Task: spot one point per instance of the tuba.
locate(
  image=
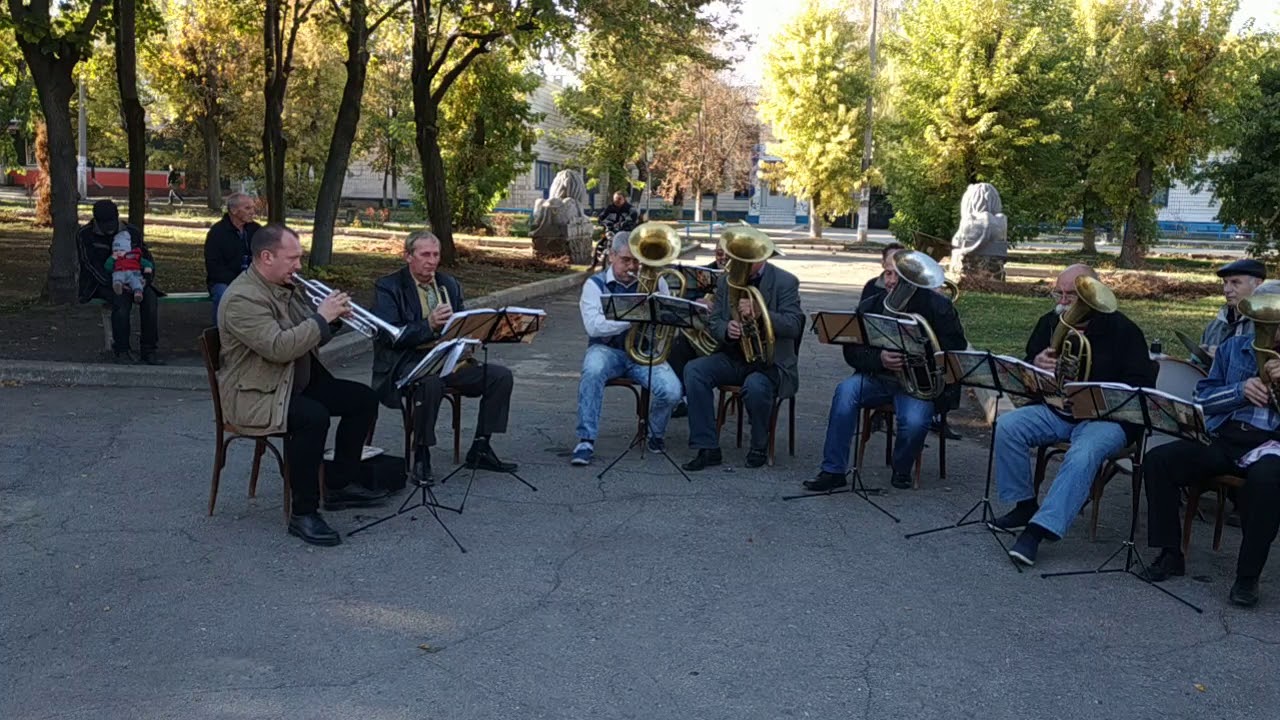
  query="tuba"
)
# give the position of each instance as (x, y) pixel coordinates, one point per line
(745, 247)
(655, 245)
(1075, 352)
(922, 376)
(1264, 311)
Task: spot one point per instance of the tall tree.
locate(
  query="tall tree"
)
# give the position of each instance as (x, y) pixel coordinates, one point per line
(816, 77)
(971, 99)
(18, 105)
(1247, 177)
(354, 18)
(713, 133)
(52, 45)
(386, 130)
(282, 20)
(125, 15)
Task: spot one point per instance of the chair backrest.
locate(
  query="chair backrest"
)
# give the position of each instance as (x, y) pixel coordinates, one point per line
(211, 349)
(1178, 377)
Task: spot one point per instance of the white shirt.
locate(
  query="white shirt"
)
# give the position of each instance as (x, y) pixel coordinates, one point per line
(593, 317)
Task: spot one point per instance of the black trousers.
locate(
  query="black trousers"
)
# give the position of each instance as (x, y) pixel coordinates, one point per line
(1182, 463)
(681, 353)
(308, 424)
(759, 390)
(148, 314)
(492, 386)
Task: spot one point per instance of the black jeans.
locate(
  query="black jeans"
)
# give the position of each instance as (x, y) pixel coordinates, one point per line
(492, 386)
(1184, 463)
(148, 312)
(759, 389)
(308, 427)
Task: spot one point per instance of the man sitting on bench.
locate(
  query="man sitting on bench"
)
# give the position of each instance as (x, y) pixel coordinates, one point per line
(93, 243)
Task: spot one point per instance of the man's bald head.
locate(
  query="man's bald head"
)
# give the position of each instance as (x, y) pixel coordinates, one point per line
(1064, 290)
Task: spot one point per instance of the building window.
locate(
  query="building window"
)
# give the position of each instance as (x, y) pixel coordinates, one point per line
(543, 174)
(742, 193)
(1161, 198)
(773, 190)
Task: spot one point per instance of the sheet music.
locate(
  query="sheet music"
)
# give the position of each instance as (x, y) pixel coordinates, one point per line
(1165, 413)
(837, 327)
(442, 360)
(1022, 379)
(626, 307)
(458, 318)
(968, 367)
(657, 307)
(886, 332)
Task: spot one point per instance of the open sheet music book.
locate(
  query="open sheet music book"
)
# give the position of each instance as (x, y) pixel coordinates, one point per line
(968, 367)
(836, 327)
(698, 277)
(1025, 382)
(442, 360)
(893, 333)
(664, 309)
(1156, 409)
(512, 322)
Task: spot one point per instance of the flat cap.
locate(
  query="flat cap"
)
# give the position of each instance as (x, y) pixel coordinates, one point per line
(1246, 266)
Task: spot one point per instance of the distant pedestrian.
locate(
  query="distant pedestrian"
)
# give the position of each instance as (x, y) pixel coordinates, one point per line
(175, 179)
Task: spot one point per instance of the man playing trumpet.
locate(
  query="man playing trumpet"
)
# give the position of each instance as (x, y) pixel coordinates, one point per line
(1119, 354)
(878, 372)
(1240, 414)
(421, 300)
(765, 367)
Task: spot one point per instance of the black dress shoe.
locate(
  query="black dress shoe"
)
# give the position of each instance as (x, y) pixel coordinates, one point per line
(353, 496)
(1244, 592)
(422, 474)
(826, 482)
(482, 457)
(314, 530)
(1169, 563)
(704, 459)
(122, 357)
(151, 359)
(902, 481)
(757, 458)
(682, 410)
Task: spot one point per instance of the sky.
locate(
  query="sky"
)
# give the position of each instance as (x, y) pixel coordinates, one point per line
(761, 19)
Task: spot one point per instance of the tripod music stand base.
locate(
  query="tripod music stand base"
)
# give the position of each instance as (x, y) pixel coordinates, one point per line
(427, 501)
(471, 480)
(855, 488)
(1131, 554)
(638, 440)
(987, 515)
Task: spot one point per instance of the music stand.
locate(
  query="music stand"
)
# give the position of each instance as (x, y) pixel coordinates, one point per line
(846, 328)
(650, 311)
(980, 369)
(426, 497)
(1155, 411)
(504, 325)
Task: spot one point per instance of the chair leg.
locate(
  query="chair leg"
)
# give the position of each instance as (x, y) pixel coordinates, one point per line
(1095, 495)
(919, 463)
(791, 426)
(1042, 464)
(1193, 507)
(888, 440)
(457, 430)
(942, 456)
(288, 491)
(368, 439)
(773, 430)
(721, 409)
(737, 402)
(219, 460)
(864, 435)
(259, 447)
(1219, 516)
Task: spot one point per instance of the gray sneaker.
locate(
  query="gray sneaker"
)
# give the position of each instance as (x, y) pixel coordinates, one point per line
(582, 453)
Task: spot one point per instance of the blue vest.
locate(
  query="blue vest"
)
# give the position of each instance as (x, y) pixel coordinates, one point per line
(618, 341)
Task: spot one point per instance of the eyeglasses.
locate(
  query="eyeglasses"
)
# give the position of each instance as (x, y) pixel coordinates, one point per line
(1060, 296)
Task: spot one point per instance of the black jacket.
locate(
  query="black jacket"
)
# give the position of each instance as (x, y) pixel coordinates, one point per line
(396, 301)
(94, 249)
(941, 315)
(226, 251)
(1119, 352)
(615, 214)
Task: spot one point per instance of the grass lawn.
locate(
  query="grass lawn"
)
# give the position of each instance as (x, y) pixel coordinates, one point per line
(1002, 323)
(1197, 264)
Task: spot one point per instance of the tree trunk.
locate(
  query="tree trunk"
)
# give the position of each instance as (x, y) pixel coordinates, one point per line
(273, 91)
(1089, 236)
(697, 204)
(135, 122)
(715, 207)
(344, 134)
(212, 132)
(56, 88)
(1132, 246)
(815, 218)
(386, 177)
(426, 114)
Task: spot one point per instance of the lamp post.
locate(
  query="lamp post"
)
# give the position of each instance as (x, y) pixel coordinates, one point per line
(82, 161)
(864, 203)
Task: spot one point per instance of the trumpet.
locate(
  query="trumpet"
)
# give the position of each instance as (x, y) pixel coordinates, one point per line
(360, 319)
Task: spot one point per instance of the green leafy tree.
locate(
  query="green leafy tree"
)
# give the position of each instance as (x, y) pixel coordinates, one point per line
(816, 79)
(487, 135)
(282, 21)
(1247, 178)
(18, 106)
(386, 133)
(977, 92)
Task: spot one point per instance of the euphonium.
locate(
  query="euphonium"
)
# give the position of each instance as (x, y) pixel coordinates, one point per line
(745, 247)
(921, 376)
(1075, 352)
(655, 245)
(951, 290)
(1264, 311)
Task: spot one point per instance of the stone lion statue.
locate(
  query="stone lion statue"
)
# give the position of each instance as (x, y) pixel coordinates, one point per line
(560, 224)
(980, 243)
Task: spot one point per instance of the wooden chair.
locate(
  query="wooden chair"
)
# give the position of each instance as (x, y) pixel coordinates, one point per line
(730, 399)
(1219, 485)
(454, 398)
(641, 394)
(1110, 468)
(866, 425)
(211, 348)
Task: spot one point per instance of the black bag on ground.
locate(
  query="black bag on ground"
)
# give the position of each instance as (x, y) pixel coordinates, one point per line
(382, 472)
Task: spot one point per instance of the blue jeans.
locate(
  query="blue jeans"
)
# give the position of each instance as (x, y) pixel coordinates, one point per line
(215, 292)
(855, 392)
(602, 364)
(1034, 426)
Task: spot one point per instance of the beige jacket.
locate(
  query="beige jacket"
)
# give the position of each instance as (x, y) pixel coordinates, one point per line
(264, 328)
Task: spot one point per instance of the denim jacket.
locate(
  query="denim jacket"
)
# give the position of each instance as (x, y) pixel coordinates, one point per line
(1221, 394)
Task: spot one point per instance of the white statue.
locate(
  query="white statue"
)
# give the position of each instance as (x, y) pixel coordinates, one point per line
(981, 242)
(560, 225)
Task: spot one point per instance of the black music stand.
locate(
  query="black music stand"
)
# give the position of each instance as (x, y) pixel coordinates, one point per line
(983, 370)
(648, 312)
(845, 328)
(503, 326)
(1178, 418)
(426, 498)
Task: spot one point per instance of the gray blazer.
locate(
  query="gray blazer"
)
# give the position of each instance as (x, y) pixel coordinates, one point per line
(781, 291)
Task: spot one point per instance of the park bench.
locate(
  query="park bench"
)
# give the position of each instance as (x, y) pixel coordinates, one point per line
(713, 227)
(167, 298)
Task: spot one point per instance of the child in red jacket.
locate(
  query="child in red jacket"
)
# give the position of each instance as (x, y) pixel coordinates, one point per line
(127, 266)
